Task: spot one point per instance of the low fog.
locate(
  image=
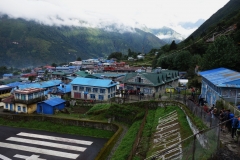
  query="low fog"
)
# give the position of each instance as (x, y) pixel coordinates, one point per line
(124, 14)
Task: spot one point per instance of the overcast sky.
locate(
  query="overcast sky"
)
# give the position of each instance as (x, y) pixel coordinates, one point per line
(152, 13)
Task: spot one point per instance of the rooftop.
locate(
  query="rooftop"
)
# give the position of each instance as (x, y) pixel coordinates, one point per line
(28, 90)
(222, 77)
(93, 82)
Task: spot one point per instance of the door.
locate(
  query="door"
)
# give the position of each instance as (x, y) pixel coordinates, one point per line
(11, 107)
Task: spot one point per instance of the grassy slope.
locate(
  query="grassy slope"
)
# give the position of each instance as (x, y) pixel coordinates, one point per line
(52, 127)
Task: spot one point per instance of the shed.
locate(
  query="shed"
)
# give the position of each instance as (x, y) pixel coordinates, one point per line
(220, 83)
(50, 105)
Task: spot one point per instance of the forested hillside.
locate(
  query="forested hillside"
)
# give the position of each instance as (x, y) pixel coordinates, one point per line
(27, 43)
(223, 18)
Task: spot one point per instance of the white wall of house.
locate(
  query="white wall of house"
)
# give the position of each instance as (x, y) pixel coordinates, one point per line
(20, 108)
(2, 104)
(8, 106)
(90, 93)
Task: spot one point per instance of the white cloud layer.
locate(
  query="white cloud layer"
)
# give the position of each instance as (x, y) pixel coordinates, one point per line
(100, 13)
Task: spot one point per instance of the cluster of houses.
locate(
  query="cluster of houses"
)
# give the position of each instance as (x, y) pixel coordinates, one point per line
(45, 96)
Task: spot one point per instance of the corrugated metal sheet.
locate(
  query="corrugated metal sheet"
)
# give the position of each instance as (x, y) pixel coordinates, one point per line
(44, 84)
(222, 77)
(4, 87)
(14, 84)
(93, 82)
(109, 75)
(54, 101)
(7, 75)
(65, 88)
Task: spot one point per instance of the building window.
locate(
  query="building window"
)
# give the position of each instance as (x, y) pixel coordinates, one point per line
(100, 97)
(146, 91)
(102, 90)
(95, 90)
(75, 88)
(139, 80)
(232, 93)
(88, 89)
(17, 96)
(36, 95)
(24, 109)
(30, 96)
(109, 96)
(19, 108)
(92, 96)
(6, 105)
(109, 90)
(224, 92)
(23, 97)
(81, 88)
(238, 93)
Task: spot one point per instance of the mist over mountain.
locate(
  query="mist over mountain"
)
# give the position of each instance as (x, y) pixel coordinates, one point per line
(166, 34)
(28, 43)
(190, 25)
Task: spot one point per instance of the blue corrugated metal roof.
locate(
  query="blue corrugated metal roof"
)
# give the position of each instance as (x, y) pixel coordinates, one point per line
(44, 84)
(54, 101)
(93, 82)
(65, 89)
(8, 75)
(72, 67)
(62, 67)
(222, 77)
(15, 84)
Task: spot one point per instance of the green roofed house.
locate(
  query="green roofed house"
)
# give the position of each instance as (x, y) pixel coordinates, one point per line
(149, 83)
(60, 74)
(93, 89)
(84, 74)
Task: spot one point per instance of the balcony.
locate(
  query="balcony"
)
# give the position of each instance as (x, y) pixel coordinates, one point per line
(30, 101)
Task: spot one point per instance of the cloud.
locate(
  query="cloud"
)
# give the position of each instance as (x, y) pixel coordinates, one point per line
(96, 13)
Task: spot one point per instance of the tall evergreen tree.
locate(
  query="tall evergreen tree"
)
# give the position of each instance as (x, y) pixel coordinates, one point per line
(173, 46)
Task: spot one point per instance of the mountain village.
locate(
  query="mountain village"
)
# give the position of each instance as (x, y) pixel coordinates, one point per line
(73, 90)
(50, 90)
(89, 80)
(100, 80)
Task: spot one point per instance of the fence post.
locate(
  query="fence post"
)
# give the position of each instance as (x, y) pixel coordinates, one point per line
(219, 132)
(194, 146)
(210, 120)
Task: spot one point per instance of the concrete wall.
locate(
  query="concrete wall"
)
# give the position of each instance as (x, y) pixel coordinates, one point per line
(64, 121)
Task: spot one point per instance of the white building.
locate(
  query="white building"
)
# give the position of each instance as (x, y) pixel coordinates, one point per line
(89, 88)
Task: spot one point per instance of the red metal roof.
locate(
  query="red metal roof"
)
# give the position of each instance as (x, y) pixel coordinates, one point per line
(29, 75)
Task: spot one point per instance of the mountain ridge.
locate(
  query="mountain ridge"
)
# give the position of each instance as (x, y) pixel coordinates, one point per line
(27, 43)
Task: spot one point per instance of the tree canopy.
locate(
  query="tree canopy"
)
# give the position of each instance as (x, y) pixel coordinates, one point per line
(222, 53)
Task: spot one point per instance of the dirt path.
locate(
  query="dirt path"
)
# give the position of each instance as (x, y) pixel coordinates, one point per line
(125, 129)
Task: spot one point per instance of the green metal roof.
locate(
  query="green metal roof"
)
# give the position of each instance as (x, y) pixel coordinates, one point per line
(155, 78)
